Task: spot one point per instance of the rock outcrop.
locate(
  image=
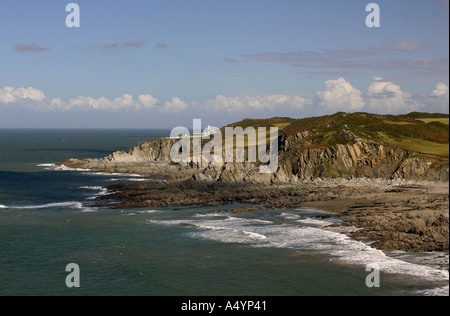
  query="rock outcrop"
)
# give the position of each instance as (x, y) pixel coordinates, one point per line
(361, 158)
(298, 160)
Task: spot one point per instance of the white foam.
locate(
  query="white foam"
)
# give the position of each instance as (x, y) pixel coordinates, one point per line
(124, 176)
(345, 250)
(237, 231)
(315, 222)
(310, 210)
(439, 291)
(128, 179)
(295, 235)
(89, 210)
(78, 205)
(214, 214)
(2, 206)
(228, 235)
(290, 216)
(139, 212)
(100, 191)
(131, 175)
(54, 167)
(69, 205)
(255, 235)
(92, 188)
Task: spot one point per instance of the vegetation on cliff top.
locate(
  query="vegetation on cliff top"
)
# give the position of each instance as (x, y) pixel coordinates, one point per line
(417, 132)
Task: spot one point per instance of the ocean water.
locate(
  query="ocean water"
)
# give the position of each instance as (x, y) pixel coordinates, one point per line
(48, 220)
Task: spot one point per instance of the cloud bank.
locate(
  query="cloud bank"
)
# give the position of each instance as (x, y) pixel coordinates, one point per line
(380, 96)
(266, 102)
(30, 98)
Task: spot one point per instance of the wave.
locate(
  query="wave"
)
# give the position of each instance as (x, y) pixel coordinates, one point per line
(439, 291)
(54, 167)
(312, 211)
(132, 175)
(100, 191)
(78, 205)
(295, 232)
(92, 188)
(238, 231)
(132, 213)
(3, 206)
(128, 179)
(319, 222)
(65, 205)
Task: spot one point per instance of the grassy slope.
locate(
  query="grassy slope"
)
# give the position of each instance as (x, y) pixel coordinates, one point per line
(417, 132)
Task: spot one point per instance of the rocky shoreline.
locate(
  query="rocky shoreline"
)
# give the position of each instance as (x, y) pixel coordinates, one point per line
(398, 199)
(407, 217)
(390, 215)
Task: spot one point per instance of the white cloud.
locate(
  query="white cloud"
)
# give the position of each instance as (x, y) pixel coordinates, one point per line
(36, 99)
(265, 102)
(124, 102)
(340, 95)
(387, 97)
(381, 96)
(437, 100)
(175, 105)
(11, 95)
(441, 90)
(147, 100)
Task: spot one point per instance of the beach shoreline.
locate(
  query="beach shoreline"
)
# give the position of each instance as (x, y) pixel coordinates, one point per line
(408, 217)
(402, 215)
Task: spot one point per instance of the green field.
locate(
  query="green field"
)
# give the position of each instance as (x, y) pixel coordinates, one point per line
(420, 146)
(425, 133)
(440, 120)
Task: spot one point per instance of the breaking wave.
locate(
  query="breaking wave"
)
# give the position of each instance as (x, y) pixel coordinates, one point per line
(62, 205)
(294, 231)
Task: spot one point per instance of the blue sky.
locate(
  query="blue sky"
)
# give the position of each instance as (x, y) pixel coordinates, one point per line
(156, 64)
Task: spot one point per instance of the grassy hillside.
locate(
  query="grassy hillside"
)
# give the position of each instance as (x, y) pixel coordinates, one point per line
(417, 132)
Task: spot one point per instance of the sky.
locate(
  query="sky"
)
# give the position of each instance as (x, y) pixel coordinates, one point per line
(161, 64)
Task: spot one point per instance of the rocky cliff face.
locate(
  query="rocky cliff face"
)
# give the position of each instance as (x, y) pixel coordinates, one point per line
(360, 158)
(149, 158)
(149, 151)
(298, 160)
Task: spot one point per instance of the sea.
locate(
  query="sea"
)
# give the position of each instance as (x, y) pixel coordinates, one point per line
(48, 221)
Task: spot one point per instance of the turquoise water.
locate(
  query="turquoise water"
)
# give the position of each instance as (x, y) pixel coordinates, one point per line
(47, 220)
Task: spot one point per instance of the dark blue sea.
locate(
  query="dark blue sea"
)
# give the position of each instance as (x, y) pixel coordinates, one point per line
(48, 220)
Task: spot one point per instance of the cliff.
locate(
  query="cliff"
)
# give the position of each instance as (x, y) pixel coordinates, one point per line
(409, 147)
